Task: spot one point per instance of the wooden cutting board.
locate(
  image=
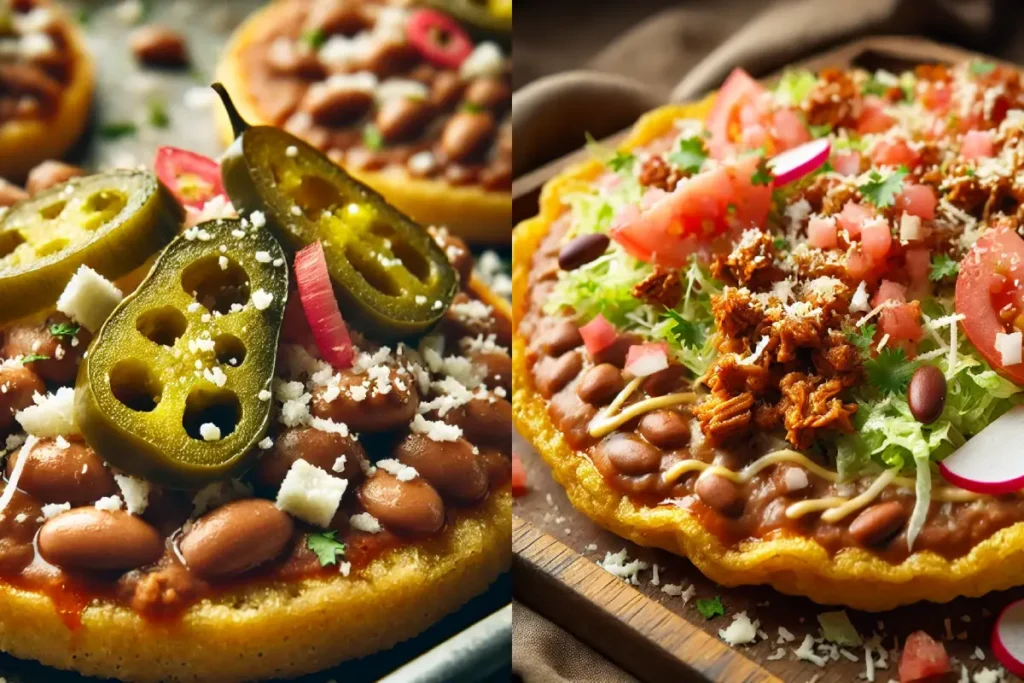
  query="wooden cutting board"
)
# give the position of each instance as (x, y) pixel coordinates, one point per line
(654, 635)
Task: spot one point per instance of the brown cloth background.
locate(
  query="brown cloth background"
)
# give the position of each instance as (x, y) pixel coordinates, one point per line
(595, 67)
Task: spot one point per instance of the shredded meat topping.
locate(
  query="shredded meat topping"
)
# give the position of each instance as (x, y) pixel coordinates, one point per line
(656, 172)
(835, 100)
(662, 287)
(810, 404)
(751, 259)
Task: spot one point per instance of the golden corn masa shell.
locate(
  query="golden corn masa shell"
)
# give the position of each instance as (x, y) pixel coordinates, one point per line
(791, 564)
(278, 630)
(24, 144)
(480, 216)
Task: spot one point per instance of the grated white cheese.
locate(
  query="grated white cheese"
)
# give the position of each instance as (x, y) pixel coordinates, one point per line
(261, 299)
(52, 415)
(135, 492)
(741, 631)
(53, 509)
(209, 431)
(485, 60)
(400, 470)
(365, 522)
(89, 298)
(339, 464)
(618, 564)
(1009, 347)
(310, 493)
(435, 430)
(266, 443)
(19, 467)
(806, 652)
(109, 503)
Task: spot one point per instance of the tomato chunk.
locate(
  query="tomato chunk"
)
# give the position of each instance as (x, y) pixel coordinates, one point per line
(789, 130)
(735, 96)
(977, 145)
(518, 476)
(917, 200)
(923, 658)
(822, 233)
(853, 216)
(847, 163)
(876, 239)
(598, 334)
(895, 153)
(873, 119)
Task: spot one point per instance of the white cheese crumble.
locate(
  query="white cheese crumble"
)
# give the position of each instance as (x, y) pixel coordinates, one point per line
(262, 299)
(258, 219)
(365, 522)
(618, 564)
(52, 415)
(485, 60)
(400, 470)
(89, 298)
(266, 443)
(209, 431)
(806, 652)
(435, 430)
(1009, 347)
(109, 503)
(860, 302)
(741, 631)
(310, 494)
(339, 464)
(135, 492)
(54, 509)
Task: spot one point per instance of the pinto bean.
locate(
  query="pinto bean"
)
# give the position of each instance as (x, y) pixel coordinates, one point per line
(90, 539)
(615, 353)
(467, 134)
(316, 447)
(600, 384)
(581, 250)
(10, 194)
(878, 523)
(389, 58)
(337, 17)
(451, 467)
(32, 81)
(489, 93)
(402, 118)
(499, 466)
(456, 325)
(73, 474)
(17, 386)
(446, 89)
(498, 367)
(629, 455)
(497, 176)
(154, 45)
(18, 525)
(330, 106)
(235, 538)
(560, 337)
(60, 366)
(665, 381)
(485, 421)
(376, 412)
(50, 173)
(456, 250)
(406, 507)
(552, 374)
(718, 493)
(665, 428)
(286, 58)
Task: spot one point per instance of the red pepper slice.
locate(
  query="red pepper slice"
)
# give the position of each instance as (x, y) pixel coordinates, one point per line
(322, 312)
(439, 38)
(192, 178)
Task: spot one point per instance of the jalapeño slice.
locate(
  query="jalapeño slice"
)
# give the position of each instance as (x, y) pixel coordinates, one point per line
(389, 275)
(112, 222)
(170, 390)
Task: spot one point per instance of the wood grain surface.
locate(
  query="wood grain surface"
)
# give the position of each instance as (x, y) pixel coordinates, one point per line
(654, 635)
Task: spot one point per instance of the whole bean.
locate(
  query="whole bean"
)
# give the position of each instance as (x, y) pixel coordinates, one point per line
(927, 394)
(60, 366)
(330, 106)
(615, 353)
(336, 17)
(489, 93)
(17, 386)
(498, 368)
(552, 374)
(403, 117)
(582, 249)
(316, 447)
(563, 335)
(50, 173)
(375, 413)
(467, 134)
(485, 421)
(289, 59)
(878, 523)
(456, 326)
(665, 381)
(73, 474)
(446, 89)
(405, 507)
(718, 493)
(499, 466)
(600, 384)
(665, 428)
(18, 525)
(235, 538)
(451, 467)
(457, 251)
(158, 46)
(388, 58)
(629, 455)
(90, 539)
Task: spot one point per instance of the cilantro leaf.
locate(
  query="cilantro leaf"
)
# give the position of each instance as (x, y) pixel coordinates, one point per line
(820, 131)
(862, 337)
(690, 155)
(472, 108)
(33, 357)
(980, 68)
(689, 333)
(874, 87)
(890, 371)
(158, 117)
(762, 175)
(943, 267)
(326, 547)
(116, 130)
(314, 38)
(621, 162)
(882, 191)
(780, 243)
(712, 607)
(372, 137)
(64, 329)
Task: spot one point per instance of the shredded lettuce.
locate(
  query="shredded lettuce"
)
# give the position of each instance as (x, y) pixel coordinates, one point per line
(794, 87)
(605, 286)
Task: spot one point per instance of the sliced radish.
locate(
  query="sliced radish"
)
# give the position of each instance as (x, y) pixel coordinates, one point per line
(192, 178)
(643, 360)
(598, 335)
(317, 296)
(799, 161)
(990, 462)
(518, 476)
(1008, 638)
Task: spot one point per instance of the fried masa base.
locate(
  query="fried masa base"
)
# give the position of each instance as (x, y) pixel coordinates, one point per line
(480, 216)
(788, 562)
(282, 629)
(24, 144)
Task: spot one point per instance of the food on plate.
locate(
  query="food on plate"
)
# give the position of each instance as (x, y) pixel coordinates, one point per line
(779, 332)
(291, 437)
(46, 84)
(405, 99)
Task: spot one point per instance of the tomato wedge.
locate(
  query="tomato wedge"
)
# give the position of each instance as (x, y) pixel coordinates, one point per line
(192, 178)
(991, 278)
(439, 38)
(923, 659)
(739, 90)
(322, 312)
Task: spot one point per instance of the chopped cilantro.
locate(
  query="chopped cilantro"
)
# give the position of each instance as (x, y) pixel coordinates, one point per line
(64, 329)
(158, 117)
(118, 129)
(688, 333)
(314, 38)
(472, 108)
(762, 175)
(981, 68)
(730, 208)
(711, 607)
(372, 137)
(882, 191)
(890, 371)
(862, 337)
(780, 243)
(943, 267)
(820, 131)
(970, 172)
(83, 16)
(326, 547)
(690, 156)
(875, 87)
(33, 357)
(621, 162)
(795, 86)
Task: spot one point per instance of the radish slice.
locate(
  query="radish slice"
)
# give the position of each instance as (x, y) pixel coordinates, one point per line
(990, 462)
(799, 161)
(643, 360)
(598, 335)
(1008, 638)
(317, 296)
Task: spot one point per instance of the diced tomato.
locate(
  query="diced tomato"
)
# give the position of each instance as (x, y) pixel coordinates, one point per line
(753, 136)
(919, 262)
(192, 178)
(738, 91)
(917, 200)
(889, 291)
(847, 163)
(876, 238)
(872, 118)
(901, 322)
(923, 659)
(977, 145)
(822, 233)
(990, 279)
(936, 97)
(646, 359)
(708, 205)
(895, 153)
(788, 130)
(518, 476)
(858, 265)
(598, 334)
(853, 216)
